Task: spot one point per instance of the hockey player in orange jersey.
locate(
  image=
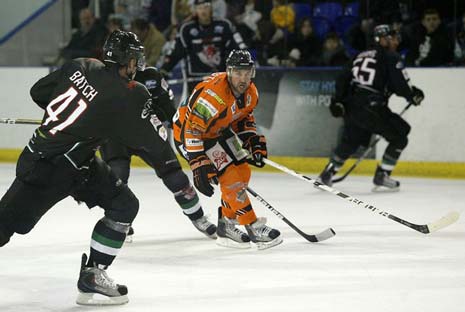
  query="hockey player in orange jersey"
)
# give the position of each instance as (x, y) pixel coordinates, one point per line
(214, 129)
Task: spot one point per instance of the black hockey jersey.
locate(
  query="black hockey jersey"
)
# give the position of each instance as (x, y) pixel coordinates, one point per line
(162, 95)
(86, 103)
(377, 72)
(205, 48)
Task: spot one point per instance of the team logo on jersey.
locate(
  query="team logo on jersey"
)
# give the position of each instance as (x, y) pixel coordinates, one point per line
(218, 29)
(234, 108)
(204, 109)
(210, 56)
(147, 110)
(151, 84)
(215, 96)
(194, 32)
(219, 158)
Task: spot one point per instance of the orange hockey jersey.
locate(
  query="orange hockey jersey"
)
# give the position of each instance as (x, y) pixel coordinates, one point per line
(212, 108)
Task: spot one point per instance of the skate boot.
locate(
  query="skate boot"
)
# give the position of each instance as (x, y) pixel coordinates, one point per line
(96, 288)
(206, 227)
(326, 177)
(383, 181)
(129, 236)
(262, 235)
(229, 235)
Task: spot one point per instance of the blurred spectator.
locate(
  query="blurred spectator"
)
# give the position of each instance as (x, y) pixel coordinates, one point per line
(181, 11)
(102, 9)
(114, 23)
(304, 46)
(283, 15)
(219, 8)
(88, 40)
(247, 22)
(459, 55)
(168, 46)
(204, 43)
(129, 10)
(334, 53)
(160, 15)
(359, 36)
(429, 43)
(151, 38)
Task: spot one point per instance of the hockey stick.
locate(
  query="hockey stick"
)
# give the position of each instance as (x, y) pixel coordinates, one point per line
(446, 220)
(367, 151)
(181, 80)
(314, 238)
(20, 121)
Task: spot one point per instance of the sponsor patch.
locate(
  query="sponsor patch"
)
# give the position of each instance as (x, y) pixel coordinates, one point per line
(204, 109)
(194, 142)
(150, 84)
(215, 96)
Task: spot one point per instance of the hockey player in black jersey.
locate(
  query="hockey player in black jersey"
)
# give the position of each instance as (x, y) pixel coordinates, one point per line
(163, 160)
(204, 43)
(362, 93)
(86, 102)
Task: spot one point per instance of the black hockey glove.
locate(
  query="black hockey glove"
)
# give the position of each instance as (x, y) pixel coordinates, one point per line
(204, 173)
(418, 96)
(256, 145)
(337, 108)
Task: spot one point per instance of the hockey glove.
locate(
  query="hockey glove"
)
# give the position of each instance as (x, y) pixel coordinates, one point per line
(337, 108)
(204, 173)
(256, 145)
(418, 96)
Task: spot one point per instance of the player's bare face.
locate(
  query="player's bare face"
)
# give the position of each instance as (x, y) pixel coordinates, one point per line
(239, 79)
(204, 13)
(390, 42)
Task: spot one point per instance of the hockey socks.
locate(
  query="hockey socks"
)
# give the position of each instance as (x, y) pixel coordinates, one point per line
(107, 238)
(189, 202)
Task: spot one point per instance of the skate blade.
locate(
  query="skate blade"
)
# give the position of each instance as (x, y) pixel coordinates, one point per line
(94, 299)
(226, 242)
(212, 236)
(265, 245)
(384, 189)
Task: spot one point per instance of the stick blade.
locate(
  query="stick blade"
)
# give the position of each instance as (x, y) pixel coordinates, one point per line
(445, 221)
(326, 234)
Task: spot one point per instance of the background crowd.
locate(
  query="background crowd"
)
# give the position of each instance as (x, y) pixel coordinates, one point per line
(282, 32)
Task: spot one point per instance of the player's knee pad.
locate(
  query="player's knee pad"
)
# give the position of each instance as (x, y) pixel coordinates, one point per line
(124, 207)
(175, 180)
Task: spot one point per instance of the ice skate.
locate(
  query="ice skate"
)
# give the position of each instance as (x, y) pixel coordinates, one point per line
(262, 235)
(96, 288)
(229, 235)
(326, 177)
(383, 181)
(206, 227)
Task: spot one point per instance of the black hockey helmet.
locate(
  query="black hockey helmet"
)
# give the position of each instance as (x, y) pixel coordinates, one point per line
(121, 46)
(240, 59)
(383, 30)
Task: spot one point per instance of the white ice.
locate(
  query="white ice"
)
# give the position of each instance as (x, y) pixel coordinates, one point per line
(372, 264)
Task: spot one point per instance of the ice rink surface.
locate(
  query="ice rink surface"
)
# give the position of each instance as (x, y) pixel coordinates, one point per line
(372, 264)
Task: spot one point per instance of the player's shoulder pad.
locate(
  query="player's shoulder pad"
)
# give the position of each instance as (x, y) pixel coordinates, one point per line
(137, 88)
(150, 77)
(395, 59)
(253, 89)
